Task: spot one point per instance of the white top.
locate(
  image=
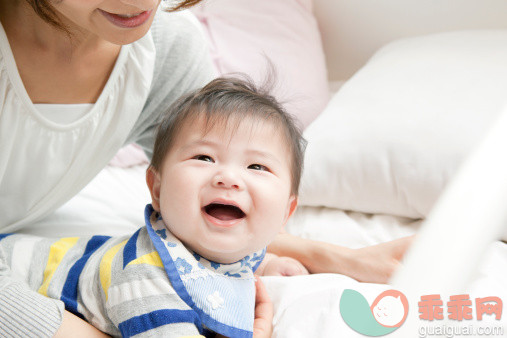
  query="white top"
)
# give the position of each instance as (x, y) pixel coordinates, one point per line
(63, 113)
(43, 161)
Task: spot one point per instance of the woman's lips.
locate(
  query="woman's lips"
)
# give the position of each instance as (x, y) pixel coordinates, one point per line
(127, 21)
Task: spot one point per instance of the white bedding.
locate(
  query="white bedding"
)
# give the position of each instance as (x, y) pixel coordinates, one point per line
(306, 306)
(335, 173)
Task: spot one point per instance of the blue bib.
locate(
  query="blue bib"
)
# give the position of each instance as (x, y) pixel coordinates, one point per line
(223, 295)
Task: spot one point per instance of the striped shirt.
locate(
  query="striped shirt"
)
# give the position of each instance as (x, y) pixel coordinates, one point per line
(147, 284)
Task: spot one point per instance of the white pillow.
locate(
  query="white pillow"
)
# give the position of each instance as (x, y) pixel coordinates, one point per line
(394, 134)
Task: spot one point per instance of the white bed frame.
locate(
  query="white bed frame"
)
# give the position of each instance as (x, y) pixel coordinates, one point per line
(467, 218)
(471, 213)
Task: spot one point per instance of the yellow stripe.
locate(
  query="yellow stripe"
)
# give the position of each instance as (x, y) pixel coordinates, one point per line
(105, 266)
(56, 253)
(152, 258)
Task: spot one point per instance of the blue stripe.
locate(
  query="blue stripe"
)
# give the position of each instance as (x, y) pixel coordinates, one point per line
(69, 292)
(148, 321)
(2, 236)
(130, 250)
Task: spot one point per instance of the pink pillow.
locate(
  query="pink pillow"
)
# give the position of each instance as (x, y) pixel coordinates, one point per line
(129, 156)
(242, 33)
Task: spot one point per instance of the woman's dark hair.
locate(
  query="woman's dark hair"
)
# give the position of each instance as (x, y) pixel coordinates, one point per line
(45, 10)
(230, 100)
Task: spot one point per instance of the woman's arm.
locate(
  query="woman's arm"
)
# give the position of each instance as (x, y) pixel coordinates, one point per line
(23, 311)
(27, 313)
(373, 264)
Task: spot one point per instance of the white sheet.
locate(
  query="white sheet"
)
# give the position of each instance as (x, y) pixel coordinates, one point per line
(305, 306)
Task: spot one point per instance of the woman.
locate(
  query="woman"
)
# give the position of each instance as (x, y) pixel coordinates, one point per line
(78, 80)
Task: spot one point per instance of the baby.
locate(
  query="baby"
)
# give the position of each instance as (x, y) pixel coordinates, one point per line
(223, 180)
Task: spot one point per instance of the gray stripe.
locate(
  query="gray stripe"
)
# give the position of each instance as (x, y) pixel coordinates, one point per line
(38, 263)
(140, 306)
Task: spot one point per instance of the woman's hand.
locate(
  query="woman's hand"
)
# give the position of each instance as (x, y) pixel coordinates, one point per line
(372, 264)
(263, 322)
(273, 265)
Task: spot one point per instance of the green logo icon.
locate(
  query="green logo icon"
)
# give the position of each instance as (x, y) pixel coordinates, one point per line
(385, 315)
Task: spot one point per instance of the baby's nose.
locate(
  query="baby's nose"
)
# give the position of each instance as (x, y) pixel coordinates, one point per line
(227, 180)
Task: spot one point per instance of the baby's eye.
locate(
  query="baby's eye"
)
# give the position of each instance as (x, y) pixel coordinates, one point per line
(204, 158)
(258, 167)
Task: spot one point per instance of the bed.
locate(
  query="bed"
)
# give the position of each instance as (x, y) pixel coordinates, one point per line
(394, 96)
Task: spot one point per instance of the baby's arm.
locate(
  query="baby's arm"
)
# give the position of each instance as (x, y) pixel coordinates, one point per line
(72, 326)
(141, 301)
(273, 265)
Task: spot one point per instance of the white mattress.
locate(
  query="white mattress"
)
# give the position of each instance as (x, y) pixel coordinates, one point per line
(306, 306)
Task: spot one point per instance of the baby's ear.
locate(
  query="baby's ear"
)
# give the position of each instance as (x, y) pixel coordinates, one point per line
(153, 182)
(291, 207)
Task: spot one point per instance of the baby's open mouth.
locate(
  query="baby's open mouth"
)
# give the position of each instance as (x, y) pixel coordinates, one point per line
(224, 212)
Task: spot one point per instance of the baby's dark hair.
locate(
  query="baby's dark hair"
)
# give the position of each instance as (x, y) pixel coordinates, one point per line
(222, 99)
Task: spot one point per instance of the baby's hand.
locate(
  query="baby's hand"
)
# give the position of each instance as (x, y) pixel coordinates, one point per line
(281, 266)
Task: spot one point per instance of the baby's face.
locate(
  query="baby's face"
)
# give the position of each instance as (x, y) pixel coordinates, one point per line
(226, 194)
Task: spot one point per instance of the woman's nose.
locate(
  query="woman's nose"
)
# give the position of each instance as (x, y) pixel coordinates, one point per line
(227, 180)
